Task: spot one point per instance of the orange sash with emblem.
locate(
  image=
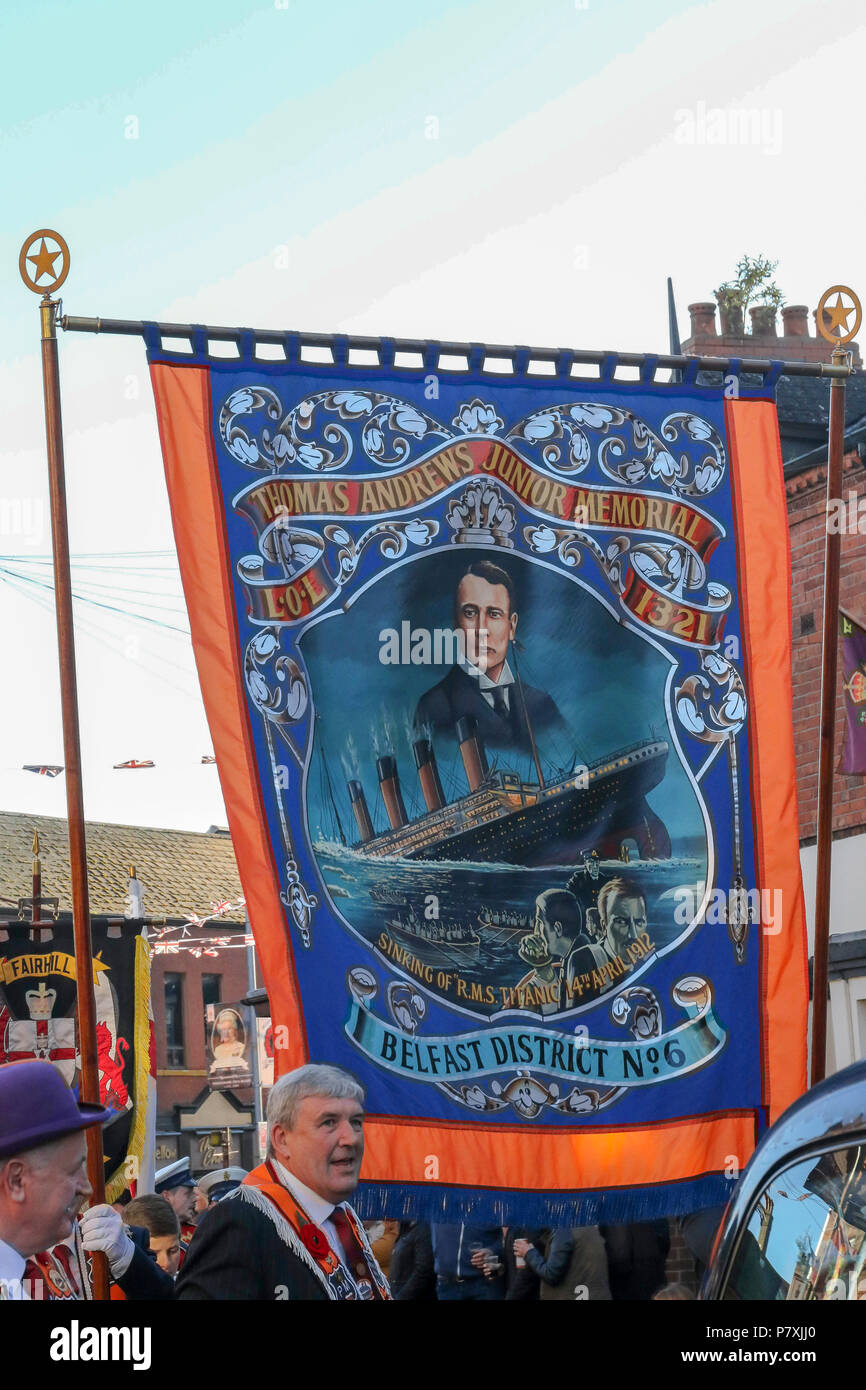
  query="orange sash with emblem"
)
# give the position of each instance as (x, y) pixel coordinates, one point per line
(314, 1240)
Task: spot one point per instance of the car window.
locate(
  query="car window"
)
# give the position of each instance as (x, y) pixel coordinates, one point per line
(806, 1238)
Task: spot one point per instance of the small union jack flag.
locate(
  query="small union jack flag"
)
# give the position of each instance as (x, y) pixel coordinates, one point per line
(43, 769)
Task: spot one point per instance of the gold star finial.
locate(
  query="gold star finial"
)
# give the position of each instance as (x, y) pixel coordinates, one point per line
(839, 315)
(44, 261)
(40, 251)
(831, 320)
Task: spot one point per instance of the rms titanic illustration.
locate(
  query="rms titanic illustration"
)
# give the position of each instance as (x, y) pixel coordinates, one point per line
(504, 819)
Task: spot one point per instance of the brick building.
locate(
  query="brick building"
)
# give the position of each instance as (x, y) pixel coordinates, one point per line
(803, 407)
(182, 874)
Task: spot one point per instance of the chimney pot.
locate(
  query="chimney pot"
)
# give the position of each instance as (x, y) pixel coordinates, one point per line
(795, 318)
(763, 318)
(703, 318)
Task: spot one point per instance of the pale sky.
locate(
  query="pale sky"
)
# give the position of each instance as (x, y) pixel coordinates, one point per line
(481, 171)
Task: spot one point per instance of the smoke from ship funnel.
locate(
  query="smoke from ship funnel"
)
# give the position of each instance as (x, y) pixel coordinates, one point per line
(362, 815)
(472, 752)
(428, 774)
(389, 784)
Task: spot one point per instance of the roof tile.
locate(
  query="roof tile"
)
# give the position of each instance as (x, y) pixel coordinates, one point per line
(181, 871)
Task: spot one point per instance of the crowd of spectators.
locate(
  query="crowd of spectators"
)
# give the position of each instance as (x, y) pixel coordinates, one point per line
(488, 1263)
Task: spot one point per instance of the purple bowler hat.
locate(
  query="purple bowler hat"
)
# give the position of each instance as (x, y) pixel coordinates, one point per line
(37, 1106)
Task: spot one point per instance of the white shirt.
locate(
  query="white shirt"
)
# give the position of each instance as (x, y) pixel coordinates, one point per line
(11, 1273)
(486, 686)
(317, 1208)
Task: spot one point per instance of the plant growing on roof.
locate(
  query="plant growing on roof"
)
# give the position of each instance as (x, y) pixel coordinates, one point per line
(751, 287)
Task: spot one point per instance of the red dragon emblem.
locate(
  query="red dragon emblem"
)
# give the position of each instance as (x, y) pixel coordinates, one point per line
(111, 1087)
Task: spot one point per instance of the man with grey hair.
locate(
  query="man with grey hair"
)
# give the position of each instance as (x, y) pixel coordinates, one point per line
(287, 1231)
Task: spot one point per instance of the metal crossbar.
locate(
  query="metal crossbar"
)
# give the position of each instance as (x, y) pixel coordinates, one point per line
(431, 351)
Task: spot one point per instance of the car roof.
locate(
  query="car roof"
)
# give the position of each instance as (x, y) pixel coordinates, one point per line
(835, 1107)
(830, 1115)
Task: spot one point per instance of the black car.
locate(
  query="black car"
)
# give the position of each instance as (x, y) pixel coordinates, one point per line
(795, 1228)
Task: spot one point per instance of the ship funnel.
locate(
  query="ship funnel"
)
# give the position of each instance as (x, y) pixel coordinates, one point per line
(389, 785)
(472, 752)
(362, 815)
(428, 774)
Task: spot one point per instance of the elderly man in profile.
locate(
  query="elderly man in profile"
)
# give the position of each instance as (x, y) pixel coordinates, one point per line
(43, 1184)
(288, 1232)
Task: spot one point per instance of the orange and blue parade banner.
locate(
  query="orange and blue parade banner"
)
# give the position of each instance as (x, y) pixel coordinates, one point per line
(498, 673)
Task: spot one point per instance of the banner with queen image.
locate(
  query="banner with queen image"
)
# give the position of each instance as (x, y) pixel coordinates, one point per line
(497, 667)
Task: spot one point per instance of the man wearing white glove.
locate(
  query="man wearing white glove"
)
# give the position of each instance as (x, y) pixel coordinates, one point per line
(102, 1229)
(130, 1262)
(43, 1183)
(43, 1178)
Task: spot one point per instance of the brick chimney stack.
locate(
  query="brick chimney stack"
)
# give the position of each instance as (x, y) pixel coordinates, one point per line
(795, 344)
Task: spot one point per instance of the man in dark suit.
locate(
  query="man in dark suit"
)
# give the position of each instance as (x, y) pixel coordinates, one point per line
(482, 684)
(287, 1231)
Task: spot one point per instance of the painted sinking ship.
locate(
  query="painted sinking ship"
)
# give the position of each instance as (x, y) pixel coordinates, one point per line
(505, 819)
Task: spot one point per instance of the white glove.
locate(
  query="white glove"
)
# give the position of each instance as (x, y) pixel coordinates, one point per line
(102, 1229)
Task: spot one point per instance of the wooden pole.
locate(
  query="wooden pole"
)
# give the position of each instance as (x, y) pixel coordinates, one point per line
(829, 652)
(89, 1082)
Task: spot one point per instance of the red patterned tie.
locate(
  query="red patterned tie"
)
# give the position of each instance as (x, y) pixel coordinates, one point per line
(356, 1259)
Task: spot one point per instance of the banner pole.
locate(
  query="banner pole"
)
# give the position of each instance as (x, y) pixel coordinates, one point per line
(827, 737)
(88, 1090)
